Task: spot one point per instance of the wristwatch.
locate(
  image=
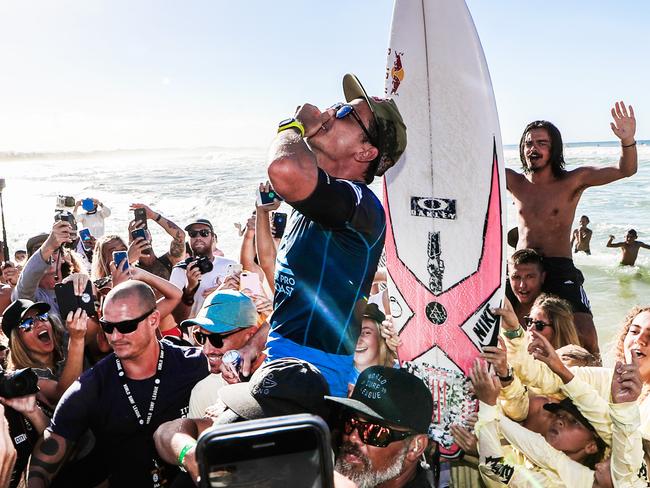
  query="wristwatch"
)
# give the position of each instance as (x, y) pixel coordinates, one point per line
(507, 377)
(289, 123)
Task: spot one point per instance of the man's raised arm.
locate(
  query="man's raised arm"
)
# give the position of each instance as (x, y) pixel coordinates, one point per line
(624, 127)
(292, 170)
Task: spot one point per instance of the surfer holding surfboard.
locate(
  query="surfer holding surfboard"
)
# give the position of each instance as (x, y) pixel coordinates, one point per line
(321, 163)
(546, 196)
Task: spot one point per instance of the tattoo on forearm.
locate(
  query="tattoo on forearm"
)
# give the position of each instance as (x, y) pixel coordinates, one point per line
(178, 244)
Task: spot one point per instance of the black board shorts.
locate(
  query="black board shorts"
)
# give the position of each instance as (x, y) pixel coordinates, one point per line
(565, 280)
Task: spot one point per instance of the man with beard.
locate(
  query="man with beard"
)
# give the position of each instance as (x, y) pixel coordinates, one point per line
(546, 196)
(198, 280)
(384, 424)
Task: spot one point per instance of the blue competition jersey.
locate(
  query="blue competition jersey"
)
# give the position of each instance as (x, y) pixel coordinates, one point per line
(325, 266)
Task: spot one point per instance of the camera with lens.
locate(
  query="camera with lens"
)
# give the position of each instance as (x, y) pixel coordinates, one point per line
(203, 263)
(19, 383)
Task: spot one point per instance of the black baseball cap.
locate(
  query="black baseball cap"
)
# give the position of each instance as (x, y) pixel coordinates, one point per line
(16, 311)
(372, 312)
(281, 387)
(200, 221)
(568, 406)
(391, 395)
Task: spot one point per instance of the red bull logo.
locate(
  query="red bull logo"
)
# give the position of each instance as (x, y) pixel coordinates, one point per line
(396, 73)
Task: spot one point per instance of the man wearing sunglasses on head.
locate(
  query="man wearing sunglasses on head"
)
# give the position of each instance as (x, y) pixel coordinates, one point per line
(198, 279)
(226, 322)
(321, 163)
(384, 425)
(124, 397)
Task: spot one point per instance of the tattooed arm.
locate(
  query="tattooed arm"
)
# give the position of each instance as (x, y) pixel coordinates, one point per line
(49, 455)
(177, 246)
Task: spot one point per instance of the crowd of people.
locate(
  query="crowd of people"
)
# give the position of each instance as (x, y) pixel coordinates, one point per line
(116, 360)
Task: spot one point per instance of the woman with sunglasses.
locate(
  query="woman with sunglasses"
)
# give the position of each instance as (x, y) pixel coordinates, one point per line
(37, 340)
(552, 317)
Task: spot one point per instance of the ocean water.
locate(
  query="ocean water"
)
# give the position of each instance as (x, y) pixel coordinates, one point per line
(220, 184)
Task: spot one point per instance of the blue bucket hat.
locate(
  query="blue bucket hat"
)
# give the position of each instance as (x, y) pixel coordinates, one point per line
(224, 311)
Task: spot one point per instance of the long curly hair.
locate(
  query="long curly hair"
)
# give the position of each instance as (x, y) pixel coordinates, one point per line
(625, 327)
(19, 354)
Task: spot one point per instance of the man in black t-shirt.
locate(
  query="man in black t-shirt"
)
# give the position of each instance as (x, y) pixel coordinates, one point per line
(321, 164)
(125, 397)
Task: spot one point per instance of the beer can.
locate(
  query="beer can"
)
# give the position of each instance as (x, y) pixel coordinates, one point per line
(233, 360)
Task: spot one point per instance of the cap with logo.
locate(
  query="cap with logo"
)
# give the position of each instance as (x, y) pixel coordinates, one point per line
(282, 387)
(391, 395)
(16, 311)
(200, 221)
(224, 311)
(390, 126)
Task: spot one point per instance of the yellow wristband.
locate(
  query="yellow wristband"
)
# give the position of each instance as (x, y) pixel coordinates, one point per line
(292, 123)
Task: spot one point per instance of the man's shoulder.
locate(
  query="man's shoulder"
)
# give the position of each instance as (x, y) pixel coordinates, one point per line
(186, 360)
(209, 383)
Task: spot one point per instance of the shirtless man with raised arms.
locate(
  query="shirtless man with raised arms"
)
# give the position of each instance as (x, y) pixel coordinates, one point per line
(546, 196)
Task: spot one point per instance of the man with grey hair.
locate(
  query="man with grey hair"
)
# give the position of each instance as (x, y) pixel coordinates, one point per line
(124, 397)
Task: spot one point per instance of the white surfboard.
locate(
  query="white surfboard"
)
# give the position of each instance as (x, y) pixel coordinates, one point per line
(444, 201)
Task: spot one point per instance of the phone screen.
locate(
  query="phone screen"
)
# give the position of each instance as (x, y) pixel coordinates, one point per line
(118, 257)
(272, 459)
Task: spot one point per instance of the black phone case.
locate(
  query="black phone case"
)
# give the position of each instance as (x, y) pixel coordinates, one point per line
(69, 302)
(247, 430)
(140, 215)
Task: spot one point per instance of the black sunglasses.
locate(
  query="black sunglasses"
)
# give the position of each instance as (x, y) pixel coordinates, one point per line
(345, 109)
(125, 326)
(215, 339)
(372, 433)
(202, 233)
(538, 324)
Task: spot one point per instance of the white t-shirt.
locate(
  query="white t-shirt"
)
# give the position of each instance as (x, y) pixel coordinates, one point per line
(208, 280)
(204, 394)
(94, 222)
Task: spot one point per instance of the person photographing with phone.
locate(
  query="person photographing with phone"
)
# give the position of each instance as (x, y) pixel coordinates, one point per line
(93, 218)
(320, 164)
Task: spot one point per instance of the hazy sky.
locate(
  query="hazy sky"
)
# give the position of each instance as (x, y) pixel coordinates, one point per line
(107, 74)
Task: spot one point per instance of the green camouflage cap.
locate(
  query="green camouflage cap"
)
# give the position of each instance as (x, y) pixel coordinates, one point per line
(391, 127)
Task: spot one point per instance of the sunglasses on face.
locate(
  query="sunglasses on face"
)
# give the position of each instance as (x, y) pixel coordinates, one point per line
(202, 233)
(372, 433)
(538, 324)
(215, 339)
(27, 324)
(345, 109)
(125, 326)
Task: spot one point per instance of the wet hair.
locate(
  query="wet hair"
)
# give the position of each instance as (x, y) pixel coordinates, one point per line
(527, 256)
(560, 314)
(557, 148)
(19, 354)
(633, 232)
(100, 268)
(585, 217)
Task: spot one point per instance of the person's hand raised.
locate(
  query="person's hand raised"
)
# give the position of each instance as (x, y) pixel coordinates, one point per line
(486, 385)
(626, 381)
(624, 125)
